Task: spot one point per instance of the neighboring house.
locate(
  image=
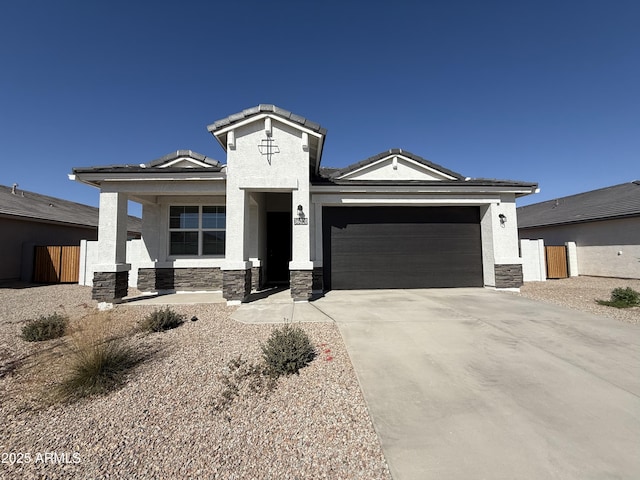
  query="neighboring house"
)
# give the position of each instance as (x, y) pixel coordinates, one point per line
(604, 224)
(28, 219)
(271, 214)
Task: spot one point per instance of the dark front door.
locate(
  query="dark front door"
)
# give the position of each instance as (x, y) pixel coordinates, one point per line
(401, 247)
(278, 246)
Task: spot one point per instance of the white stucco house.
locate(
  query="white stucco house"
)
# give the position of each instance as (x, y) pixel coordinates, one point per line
(271, 214)
(604, 225)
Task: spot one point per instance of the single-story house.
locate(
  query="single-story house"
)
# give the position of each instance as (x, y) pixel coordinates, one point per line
(271, 214)
(603, 223)
(28, 219)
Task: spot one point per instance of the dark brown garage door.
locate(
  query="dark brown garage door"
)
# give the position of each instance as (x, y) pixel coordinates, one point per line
(401, 247)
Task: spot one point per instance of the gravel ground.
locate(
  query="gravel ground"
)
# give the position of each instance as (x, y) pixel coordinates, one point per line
(161, 423)
(580, 293)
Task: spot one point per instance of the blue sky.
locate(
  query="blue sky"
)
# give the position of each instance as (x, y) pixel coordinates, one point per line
(544, 91)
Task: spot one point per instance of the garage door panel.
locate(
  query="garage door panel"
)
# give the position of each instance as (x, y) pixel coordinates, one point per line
(402, 247)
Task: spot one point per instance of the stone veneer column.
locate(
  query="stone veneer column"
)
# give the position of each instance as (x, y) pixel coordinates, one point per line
(256, 278)
(301, 284)
(236, 285)
(110, 287)
(508, 275)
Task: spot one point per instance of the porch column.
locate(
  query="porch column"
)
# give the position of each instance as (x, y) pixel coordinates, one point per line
(236, 273)
(111, 277)
(301, 266)
(255, 237)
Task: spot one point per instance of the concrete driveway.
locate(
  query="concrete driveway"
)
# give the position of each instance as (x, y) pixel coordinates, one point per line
(478, 384)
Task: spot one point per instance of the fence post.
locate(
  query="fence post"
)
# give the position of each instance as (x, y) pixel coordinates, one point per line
(572, 258)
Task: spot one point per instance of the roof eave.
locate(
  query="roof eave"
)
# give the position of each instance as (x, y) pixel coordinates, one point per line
(582, 220)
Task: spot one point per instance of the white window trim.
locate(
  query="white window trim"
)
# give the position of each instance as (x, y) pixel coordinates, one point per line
(199, 229)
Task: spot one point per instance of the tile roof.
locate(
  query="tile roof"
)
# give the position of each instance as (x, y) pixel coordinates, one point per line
(606, 203)
(329, 176)
(215, 165)
(265, 108)
(34, 206)
(394, 151)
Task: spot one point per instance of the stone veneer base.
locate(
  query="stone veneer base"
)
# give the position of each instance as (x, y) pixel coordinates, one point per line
(110, 287)
(256, 278)
(236, 284)
(508, 275)
(301, 284)
(159, 279)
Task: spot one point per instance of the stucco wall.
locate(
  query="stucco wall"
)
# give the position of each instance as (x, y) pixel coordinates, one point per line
(19, 233)
(609, 248)
(250, 171)
(533, 262)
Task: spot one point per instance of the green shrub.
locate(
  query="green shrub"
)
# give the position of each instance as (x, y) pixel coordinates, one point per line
(161, 320)
(622, 298)
(45, 328)
(287, 350)
(97, 367)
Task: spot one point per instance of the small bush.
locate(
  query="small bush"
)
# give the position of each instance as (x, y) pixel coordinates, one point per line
(287, 350)
(45, 328)
(245, 378)
(622, 298)
(161, 320)
(96, 368)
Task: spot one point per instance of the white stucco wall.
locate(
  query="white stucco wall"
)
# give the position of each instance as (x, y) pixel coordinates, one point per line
(89, 255)
(250, 171)
(533, 261)
(609, 248)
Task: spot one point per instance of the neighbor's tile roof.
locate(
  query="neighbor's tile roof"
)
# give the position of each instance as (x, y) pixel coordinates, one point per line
(34, 206)
(265, 108)
(606, 203)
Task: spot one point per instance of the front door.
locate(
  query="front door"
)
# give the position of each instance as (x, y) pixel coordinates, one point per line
(278, 247)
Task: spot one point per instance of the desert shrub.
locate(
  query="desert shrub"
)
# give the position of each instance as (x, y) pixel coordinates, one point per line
(287, 350)
(242, 377)
(161, 320)
(45, 328)
(96, 367)
(622, 298)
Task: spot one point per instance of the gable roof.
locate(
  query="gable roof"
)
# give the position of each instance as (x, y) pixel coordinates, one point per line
(201, 163)
(34, 206)
(221, 129)
(265, 108)
(617, 201)
(337, 174)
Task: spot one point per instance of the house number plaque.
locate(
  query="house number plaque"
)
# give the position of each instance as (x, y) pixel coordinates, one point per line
(300, 221)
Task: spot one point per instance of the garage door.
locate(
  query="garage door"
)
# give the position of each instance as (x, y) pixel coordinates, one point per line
(401, 247)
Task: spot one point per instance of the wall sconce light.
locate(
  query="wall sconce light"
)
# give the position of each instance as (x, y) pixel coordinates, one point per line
(300, 212)
(503, 219)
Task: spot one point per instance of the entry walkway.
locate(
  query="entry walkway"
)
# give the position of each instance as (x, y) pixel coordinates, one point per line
(277, 306)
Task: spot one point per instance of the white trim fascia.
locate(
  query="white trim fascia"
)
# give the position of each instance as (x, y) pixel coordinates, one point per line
(407, 200)
(183, 159)
(417, 164)
(256, 118)
(149, 176)
(421, 189)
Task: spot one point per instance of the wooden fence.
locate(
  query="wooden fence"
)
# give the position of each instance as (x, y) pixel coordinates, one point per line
(56, 264)
(556, 261)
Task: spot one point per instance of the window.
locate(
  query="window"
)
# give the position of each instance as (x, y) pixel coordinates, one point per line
(197, 230)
